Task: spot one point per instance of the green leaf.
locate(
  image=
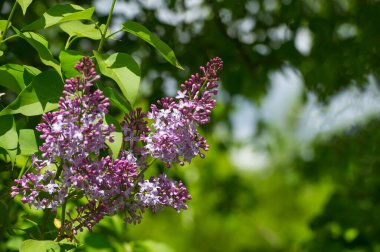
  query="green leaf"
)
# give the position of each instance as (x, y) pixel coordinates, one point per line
(24, 4)
(14, 77)
(39, 97)
(116, 99)
(27, 142)
(41, 45)
(143, 33)
(29, 74)
(81, 30)
(3, 23)
(69, 59)
(115, 146)
(8, 136)
(59, 14)
(123, 69)
(34, 245)
(11, 76)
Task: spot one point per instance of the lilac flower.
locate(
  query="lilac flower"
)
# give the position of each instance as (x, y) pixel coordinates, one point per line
(32, 187)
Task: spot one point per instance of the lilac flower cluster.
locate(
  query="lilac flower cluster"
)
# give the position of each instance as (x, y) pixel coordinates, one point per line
(161, 191)
(74, 161)
(174, 137)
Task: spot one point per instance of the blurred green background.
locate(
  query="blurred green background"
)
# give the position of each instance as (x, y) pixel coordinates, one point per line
(294, 140)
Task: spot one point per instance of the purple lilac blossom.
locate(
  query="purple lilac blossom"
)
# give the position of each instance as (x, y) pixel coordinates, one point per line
(135, 128)
(174, 137)
(161, 191)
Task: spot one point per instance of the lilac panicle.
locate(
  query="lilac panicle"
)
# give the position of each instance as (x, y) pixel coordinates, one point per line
(72, 136)
(77, 128)
(174, 137)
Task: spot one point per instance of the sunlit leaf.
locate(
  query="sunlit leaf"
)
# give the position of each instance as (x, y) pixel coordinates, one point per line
(24, 4)
(41, 45)
(40, 96)
(143, 33)
(81, 30)
(34, 245)
(27, 142)
(11, 76)
(8, 136)
(15, 77)
(59, 14)
(69, 59)
(3, 24)
(117, 136)
(123, 69)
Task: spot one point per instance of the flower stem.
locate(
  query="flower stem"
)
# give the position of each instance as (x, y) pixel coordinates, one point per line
(47, 213)
(106, 28)
(59, 171)
(8, 21)
(63, 214)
